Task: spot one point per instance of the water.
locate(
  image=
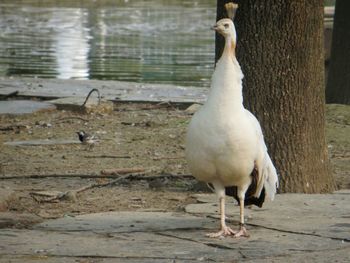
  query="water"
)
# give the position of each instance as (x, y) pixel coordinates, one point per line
(143, 41)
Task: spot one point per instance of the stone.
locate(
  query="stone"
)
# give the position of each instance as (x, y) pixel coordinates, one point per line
(24, 106)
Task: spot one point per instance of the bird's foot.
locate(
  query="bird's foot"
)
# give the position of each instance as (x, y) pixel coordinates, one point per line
(242, 232)
(90, 148)
(225, 231)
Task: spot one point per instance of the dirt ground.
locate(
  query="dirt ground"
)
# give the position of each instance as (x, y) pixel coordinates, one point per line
(134, 135)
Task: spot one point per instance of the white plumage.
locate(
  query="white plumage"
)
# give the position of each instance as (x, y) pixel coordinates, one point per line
(225, 145)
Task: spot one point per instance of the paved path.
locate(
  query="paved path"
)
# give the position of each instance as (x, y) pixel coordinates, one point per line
(295, 227)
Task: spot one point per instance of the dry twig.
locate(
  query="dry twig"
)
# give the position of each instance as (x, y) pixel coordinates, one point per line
(55, 196)
(119, 171)
(72, 118)
(108, 156)
(71, 195)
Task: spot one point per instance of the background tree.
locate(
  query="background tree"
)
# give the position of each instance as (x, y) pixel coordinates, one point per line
(338, 83)
(280, 49)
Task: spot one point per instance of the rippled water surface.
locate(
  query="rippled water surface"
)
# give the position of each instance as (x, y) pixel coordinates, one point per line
(143, 41)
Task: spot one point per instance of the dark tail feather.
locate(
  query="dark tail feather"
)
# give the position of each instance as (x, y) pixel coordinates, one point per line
(248, 200)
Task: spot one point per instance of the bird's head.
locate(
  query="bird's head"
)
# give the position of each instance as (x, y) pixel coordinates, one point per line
(226, 28)
(81, 133)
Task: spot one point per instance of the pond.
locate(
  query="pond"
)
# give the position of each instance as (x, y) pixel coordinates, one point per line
(131, 40)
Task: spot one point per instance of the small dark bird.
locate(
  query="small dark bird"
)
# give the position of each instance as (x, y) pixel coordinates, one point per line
(87, 139)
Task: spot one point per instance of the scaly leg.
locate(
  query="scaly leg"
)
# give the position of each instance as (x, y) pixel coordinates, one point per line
(225, 230)
(242, 230)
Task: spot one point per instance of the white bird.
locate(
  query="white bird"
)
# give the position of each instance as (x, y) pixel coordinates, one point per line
(224, 144)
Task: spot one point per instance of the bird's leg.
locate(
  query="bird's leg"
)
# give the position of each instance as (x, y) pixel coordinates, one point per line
(224, 230)
(242, 230)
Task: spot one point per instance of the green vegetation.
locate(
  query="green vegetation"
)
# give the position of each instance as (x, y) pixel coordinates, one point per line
(329, 2)
(338, 139)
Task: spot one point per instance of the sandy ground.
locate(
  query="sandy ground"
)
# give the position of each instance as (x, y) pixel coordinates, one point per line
(146, 136)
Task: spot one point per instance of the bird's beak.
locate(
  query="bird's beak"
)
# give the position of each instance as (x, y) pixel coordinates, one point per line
(214, 27)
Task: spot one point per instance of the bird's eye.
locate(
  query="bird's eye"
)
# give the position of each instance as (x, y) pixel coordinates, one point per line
(226, 25)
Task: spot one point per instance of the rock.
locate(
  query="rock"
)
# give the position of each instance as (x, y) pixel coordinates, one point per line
(24, 106)
(325, 215)
(71, 196)
(41, 142)
(176, 237)
(5, 197)
(105, 107)
(18, 220)
(92, 106)
(193, 108)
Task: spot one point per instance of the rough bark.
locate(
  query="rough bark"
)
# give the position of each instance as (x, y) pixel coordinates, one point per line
(280, 49)
(338, 83)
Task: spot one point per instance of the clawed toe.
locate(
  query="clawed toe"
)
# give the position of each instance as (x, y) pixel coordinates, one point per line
(226, 231)
(242, 232)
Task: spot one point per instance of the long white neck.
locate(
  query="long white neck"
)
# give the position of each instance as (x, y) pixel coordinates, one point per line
(226, 85)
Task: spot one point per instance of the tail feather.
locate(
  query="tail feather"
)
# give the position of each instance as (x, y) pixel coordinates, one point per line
(248, 199)
(271, 178)
(261, 186)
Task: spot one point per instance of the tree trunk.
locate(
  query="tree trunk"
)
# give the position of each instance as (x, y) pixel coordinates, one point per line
(338, 84)
(280, 49)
